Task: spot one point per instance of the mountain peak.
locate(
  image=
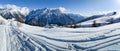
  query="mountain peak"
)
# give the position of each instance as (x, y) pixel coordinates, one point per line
(12, 11)
(55, 10)
(52, 15)
(13, 8)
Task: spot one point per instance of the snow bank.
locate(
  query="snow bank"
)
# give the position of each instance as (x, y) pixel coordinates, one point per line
(2, 20)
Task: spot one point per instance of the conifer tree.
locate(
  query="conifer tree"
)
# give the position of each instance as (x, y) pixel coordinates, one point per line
(94, 24)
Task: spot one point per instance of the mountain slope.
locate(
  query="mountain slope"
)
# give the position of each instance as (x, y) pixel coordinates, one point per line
(32, 38)
(51, 16)
(12, 11)
(109, 18)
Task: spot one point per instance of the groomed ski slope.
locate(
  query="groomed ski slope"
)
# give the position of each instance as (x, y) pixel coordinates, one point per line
(31, 38)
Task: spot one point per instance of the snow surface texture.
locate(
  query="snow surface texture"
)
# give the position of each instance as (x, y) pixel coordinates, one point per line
(31, 38)
(2, 20)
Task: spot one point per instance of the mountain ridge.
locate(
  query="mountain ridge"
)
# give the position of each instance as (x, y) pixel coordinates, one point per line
(52, 16)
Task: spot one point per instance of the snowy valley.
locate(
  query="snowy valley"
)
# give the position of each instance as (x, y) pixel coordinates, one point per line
(22, 29)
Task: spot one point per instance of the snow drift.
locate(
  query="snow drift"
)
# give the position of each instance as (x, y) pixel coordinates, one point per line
(2, 20)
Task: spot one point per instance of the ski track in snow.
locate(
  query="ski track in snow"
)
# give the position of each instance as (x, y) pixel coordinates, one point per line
(18, 40)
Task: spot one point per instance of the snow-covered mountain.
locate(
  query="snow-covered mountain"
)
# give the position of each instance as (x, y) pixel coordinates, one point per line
(112, 17)
(16, 36)
(12, 11)
(52, 16)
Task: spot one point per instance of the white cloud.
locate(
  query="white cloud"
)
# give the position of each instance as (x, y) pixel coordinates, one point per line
(8, 6)
(62, 9)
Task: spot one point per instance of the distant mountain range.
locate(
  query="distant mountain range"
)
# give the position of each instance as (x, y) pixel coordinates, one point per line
(52, 16)
(41, 17)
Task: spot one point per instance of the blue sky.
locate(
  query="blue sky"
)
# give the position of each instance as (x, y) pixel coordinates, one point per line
(76, 6)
